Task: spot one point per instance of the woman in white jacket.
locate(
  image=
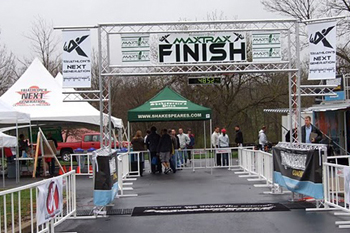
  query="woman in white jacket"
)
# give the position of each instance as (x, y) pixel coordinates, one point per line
(262, 138)
(224, 142)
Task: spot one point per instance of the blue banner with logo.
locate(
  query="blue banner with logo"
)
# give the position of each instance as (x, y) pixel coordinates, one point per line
(299, 171)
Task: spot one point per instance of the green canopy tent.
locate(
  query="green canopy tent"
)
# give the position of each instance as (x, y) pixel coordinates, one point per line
(169, 105)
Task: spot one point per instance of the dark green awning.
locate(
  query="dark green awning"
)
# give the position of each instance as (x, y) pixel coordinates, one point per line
(168, 105)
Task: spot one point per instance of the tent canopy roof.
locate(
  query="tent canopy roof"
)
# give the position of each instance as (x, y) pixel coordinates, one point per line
(7, 140)
(9, 115)
(169, 105)
(37, 93)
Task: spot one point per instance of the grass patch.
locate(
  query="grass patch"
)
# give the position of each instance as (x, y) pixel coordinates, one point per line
(20, 203)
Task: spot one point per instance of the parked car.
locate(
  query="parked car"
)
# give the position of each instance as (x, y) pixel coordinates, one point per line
(90, 140)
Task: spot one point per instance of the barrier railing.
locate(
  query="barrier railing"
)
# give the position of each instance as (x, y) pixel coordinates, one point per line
(18, 206)
(336, 186)
(123, 174)
(257, 166)
(84, 165)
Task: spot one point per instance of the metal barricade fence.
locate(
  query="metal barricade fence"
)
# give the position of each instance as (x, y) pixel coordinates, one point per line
(84, 165)
(18, 206)
(337, 189)
(257, 165)
(205, 158)
(124, 174)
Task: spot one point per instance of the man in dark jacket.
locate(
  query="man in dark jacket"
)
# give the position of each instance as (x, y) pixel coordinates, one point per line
(239, 136)
(309, 133)
(174, 160)
(164, 149)
(152, 142)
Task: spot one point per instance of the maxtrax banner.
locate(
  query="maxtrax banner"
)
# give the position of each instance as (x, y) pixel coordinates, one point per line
(208, 47)
(299, 171)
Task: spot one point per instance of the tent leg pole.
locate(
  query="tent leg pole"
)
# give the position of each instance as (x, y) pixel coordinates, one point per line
(205, 136)
(3, 167)
(129, 136)
(17, 155)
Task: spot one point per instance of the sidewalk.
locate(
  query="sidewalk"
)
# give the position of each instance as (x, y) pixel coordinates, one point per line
(200, 187)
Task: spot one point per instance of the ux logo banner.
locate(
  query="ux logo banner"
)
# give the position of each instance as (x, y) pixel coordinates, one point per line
(75, 45)
(321, 36)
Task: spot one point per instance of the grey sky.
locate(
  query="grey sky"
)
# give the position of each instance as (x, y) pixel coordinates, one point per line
(16, 16)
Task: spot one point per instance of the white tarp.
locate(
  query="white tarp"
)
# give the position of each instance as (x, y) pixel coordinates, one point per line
(9, 115)
(37, 93)
(7, 140)
(116, 121)
(322, 45)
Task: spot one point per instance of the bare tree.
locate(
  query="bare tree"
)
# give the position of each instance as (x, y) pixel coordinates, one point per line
(44, 44)
(7, 69)
(300, 9)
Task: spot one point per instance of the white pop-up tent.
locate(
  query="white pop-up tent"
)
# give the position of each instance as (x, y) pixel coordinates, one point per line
(9, 115)
(36, 92)
(6, 141)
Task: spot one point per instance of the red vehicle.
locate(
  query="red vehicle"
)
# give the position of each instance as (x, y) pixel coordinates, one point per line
(90, 140)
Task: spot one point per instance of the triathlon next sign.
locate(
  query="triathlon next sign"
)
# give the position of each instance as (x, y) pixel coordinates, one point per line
(211, 47)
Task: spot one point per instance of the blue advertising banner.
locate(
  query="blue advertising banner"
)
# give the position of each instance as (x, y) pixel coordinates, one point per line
(299, 171)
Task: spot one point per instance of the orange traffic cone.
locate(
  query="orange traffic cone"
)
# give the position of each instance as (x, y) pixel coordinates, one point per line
(64, 169)
(78, 170)
(60, 172)
(90, 169)
(70, 168)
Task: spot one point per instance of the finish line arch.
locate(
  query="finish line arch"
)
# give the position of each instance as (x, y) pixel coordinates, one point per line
(181, 59)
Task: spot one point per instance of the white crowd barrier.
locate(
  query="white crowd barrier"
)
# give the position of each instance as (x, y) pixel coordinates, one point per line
(84, 165)
(257, 166)
(124, 175)
(336, 185)
(18, 206)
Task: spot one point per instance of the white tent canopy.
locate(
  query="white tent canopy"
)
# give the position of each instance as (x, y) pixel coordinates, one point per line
(7, 140)
(116, 121)
(36, 92)
(9, 115)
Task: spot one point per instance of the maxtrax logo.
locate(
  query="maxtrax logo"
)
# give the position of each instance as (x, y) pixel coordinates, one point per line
(215, 47)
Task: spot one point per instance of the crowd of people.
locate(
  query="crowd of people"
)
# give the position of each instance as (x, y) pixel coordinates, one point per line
(167, 149)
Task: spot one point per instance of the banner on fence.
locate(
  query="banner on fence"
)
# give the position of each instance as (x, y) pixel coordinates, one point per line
(49, 200)
(299, 171)
(223, 150)
(106, 177)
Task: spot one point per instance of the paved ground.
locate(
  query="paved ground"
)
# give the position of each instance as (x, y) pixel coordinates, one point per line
(201, 187)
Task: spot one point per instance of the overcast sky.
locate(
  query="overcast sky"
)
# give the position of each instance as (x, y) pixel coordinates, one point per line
(17, 16)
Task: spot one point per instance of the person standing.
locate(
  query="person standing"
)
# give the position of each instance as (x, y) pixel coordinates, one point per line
(215, 137)
(309, 133)
(224, 142)
(215, 144)
(184, 141)
(138, 144)
(191, 144)
(147, 133)
(51, 161)
(175, 158)
(262, 138)
(152, 145)
(164, 149)
(239, 136)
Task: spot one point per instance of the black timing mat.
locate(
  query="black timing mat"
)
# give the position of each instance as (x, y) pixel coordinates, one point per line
(207, 208)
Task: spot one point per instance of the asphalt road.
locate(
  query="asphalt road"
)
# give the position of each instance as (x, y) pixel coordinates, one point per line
(200, 187)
